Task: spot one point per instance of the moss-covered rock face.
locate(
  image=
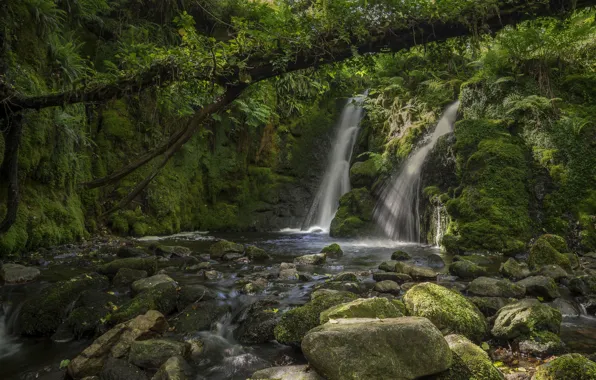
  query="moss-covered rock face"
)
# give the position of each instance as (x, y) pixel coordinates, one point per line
(256, 254)
(540, 286)
(365, 173)
(474, 357)
(493, 287)
(365, 308)
(546, 250)
(514, 270)
(333, 251)
(525, 318)
(43, 313)
(354, 216)
(448, 310)
(162, 298)
(295, 323)
(219, 249)
(570, 366)
(542, 344)
(152, 353)
(148, 265)
(466, 270)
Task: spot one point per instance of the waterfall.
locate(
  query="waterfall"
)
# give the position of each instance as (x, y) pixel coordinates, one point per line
(397, 212)
(336, 181)
(439, 233)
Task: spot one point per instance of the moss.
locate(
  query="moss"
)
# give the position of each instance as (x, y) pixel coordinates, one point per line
(162, 298)
(474, 358)
(543, 252)
(365, 173)
(332, 250)
(354, 216)
(295, 323)
(526, 318)
(570, 366)
(364, 308)
(448, 310)
(400, 255)
(146, 264)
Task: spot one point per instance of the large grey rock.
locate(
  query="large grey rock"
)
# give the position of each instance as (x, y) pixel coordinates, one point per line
(400, 278)
(151, 282)
(161, 297)
(256, 254)
(175, 368)
(118, 369)
(387, 286)
(199, 316)
(567, 367)
(315, 259)
(514, 270)
(219, 249)
(257, 322)
(416, 272)
(466, 270)
(522, 319)
(152, 353)
(292, 372)
(553, 271)
(365, 308)
(475, 358)
(18, 274)
(540, 286)
(126, 276)
(369, 349)
(494, 287)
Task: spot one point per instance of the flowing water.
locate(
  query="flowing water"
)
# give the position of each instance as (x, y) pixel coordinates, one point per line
(396, 211)
(336, 181)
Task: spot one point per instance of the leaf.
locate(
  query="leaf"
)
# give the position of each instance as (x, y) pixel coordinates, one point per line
(485, 346)
(64, 363)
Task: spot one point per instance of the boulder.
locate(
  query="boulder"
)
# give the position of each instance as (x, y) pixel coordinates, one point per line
(199, 316)
(194, 293)
(172, 250)
(583, 285)
(315, 259)
(211, 275)
(388, 266)
(449, 311)
(256, 253)
(152, 353)
(88, 312)
(541, 344)
(292, 372)
(494, 287)
(18, 274)
(343, 286)
(116, 343)
(540, 286)
(125, 252)
(219, 249)
(387, 286)
(553, 271)
(514, 270)
(118, 369)
(400, 278)
(151, 282)
(489, 306)
(567, 367)
(466, 270)
(354, 215)
(175, 368)
(294, 324)
(41, 314)
(475, 358)
(400, 256)
(370, 345)
(288, 272)
(525, 318)
(435, 261)
(148, 264)
(416, 272)
(333, 251)
(547, 250)
(162, 298)
(365, 308)
(256, 322)
(346, 276)
(126, 276)
(365, 173)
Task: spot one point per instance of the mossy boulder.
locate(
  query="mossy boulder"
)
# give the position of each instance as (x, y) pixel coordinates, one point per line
(354, 216)
(364, 173)
(540, 286)
(148, 264)
(542, 344)
(152, 353)
(522, 319)
(553, 271)
(151, 282)
(257, 321)
(333, 251)
(256, 253)
(218, 250)
(365, 308)
(400, 278)
(449, 311)
(514, 270)
(89, 311)
(583, 285)
(17, 274)
(570, 366)
(416, 272)
(466, 270)
(172, 250)
(387, 349)
(42, 314)
(162, 298)
(495, 287)
(175, 368)
(125, 252)
(475, 358)
(126, 276)
(295, 323)
(388, 266)
(489, 306)
(387, 286)
(400, 256)
(315, 259)
(549, 249)
(189, 294)
(199, 316)
(292, 372)
(346, 277)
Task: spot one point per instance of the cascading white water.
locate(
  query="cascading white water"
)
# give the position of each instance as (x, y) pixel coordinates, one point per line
(336, 181)
(397, 212)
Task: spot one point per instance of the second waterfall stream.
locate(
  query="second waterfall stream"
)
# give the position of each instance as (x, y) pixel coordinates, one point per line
(336, 181)
(396, 211)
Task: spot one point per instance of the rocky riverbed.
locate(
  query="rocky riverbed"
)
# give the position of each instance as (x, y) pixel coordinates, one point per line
(295, 306)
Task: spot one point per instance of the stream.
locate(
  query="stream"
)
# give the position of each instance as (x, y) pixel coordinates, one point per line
(223, 357)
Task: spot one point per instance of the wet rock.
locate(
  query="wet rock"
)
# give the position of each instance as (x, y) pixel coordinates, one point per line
(42, 314)
(175, 368)
(346, 276)
(151, 282)
(199, 316)
(365, 308)
(570, 366)
(17, 274)
(388, 266)
(126, 276)
(583, 285)
(549, 249)
(152, 353)
(162, 298)
(426, 352)
(257, 321)
(127, 252)
(400, 278)
(553, 271)
(540, 286)
(353, 287)
(189, 294)
(315, 259)
(400, 256)
(435, 261)
(117, 369)
(466, 270)
(333, 251)
(116, 343)
(255, 286)
(494, 287)
(149, 265)
(567, 308)
(168, 251)
(474, 358)
(205, 265)
(88, 312)
(489, 306)
(295, 323)
(522, 319)
(416, 272)
(542, 344)
(514, 270)
(449, 311)
(387, 286)
(256, 254)
(293, 372)
(231, 256)
(288, 272)
(219, 249)
(211, 275)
